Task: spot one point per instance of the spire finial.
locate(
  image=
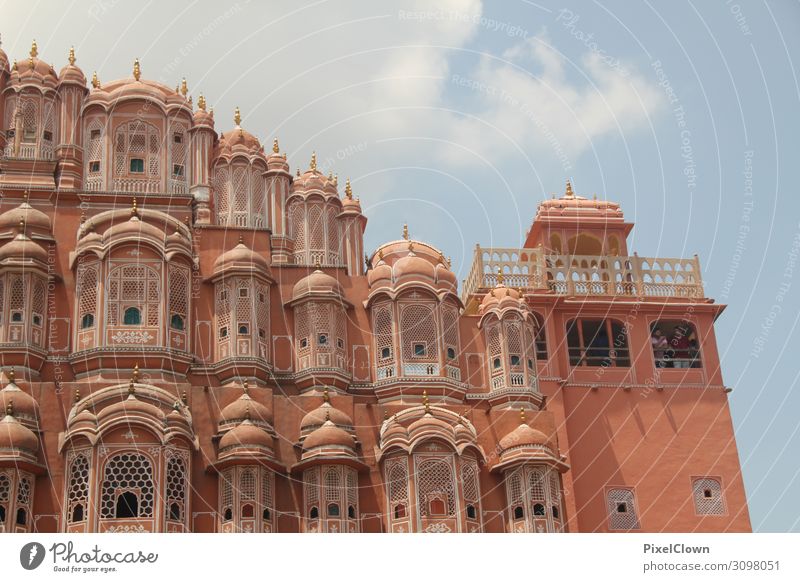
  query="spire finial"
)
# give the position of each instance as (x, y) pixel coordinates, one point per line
(348, 190)
(298, 172)
(246, 386)
(184, 87)
(137, 69)
(11, 376)
(237, 117)
(327, 416)
(569, 193)
(241, 239)
(135, 377)
(71, 58)
(201, 102)
(317, 265)
(325, 396)
(77, 395)
(275, 147)
(405, 231)
(131, 388)
(34, 49)
(313, 164)
(184, 397)
(95, 81)
(501, 279)
(22, 224)
(522, 415)
(10, 407)
(247, 412)
(134, 209)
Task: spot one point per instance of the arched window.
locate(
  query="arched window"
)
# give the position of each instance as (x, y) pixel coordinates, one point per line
(176, 322)
(176, 488)
(132, 316)
(396, 476)
(519, 513)
(5, 496)
(22, 516)
(314, 513)
(78, 487)
(383, 333)
(436, 488)
(87, 321)
(127, 486)
(597, 343)
(707, 492)
(137, 153)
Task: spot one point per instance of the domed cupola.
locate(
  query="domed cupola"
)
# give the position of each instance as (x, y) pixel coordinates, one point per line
(202, 116)
(33, 70)
(325, 412)
(17, 442)
(245, 407)
(36, 222)
(246, 444)
(241, 260)
(26, 409)
(71, 73)
(276, 161)
(21, 251)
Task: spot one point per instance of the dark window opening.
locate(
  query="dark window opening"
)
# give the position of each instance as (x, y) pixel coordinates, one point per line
(94, 167)
(451, 354)
(223, 332)
(248, 511)
(243, 292)
(244, 330)
(175, 512)
(555, 512)
(261, 333)
(340, 343)
(48, 136)
(133, 316)
(177, 171)
(675, 344)
(597, 343)
(266, 516)
(127, 506)
(515, 360)
(95, 134)
(471, 513)
(304, 343)
(322, 339)
(314, 513)
(420, 350)
(22, 516)
(87, 321)
(2, 513)
(707, 493)
(351, 512)
(518, 512)
(137, 166)
(77, 513)
(333, 510)
(16, 316)
(228, 514)
(538, 509)
(386, 353)
(37, 319)
(178, 138)
(496, 363)
(622, 508)
(176, 322)
(399, 511)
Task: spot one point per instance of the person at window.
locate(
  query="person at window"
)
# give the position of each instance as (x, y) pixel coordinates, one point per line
(598, 352)
(660, 345)
(680, 346)
(694, 351)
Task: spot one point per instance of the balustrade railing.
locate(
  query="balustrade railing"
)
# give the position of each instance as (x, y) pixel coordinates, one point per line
(532, 269)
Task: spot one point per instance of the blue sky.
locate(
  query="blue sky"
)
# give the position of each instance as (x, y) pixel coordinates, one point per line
(460, 117)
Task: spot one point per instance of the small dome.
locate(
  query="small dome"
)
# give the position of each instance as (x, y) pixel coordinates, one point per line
(328, 435)
(522, 436)
(34, 69)
(83, 417)
(241, 258)
(33, 218)
(134, 227)
(429, 422)
(380, 275)
(446, 276)
(325, 412)
(25, 406)
(502, 296)
(71, 73)
(21, 247)
(131, 406)
(413, 265)
(14, 435)
(246, 435)
(316, 283)
(238, 140)
(244, 408)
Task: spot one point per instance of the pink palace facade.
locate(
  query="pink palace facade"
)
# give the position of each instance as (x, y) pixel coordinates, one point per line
(191, 340)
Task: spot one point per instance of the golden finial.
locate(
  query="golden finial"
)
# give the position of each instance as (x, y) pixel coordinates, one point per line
(327, 416)
(275, 147)
(176, 406)
(137, 70)
(317, 265)
(410, 247)
(500, 277)
(177, 88)
(21, 225)
(425, 402)
(131, 388)
(385, 414)
(569, 193)
(241, 239)
(247, 412)
(190, 102)
(135, 377)
(313, 164)
(77, 396)
(184, 397)
(11, 375)
(336, 179)
(34, 49)
(325, 396)
(95, 81)
(14, 66)
(71, 58)
(237, 117)
(380, 254)
(184, 87)
(348, 190)
(211, 113)
(246, 386)
(201, 102)
(449, 262)
(298, 172)
(134, 209)
(10, 407)
(522, 415)
(405, 232)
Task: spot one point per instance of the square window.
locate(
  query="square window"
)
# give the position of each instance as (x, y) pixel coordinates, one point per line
(95, 134)
(420, 350)
(178, 137)
(243, 292)
(304, 343)
(16, 316)
(137, 166)
(177, 170)
(37, 319)
(223, 332)
(48, 136)
(451, 353)
(386, 353)
(244, 330)
(94, 167)
(322, 339)
(515, 360)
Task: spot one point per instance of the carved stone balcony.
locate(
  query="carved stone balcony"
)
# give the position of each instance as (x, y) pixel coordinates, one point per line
(534, 270)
